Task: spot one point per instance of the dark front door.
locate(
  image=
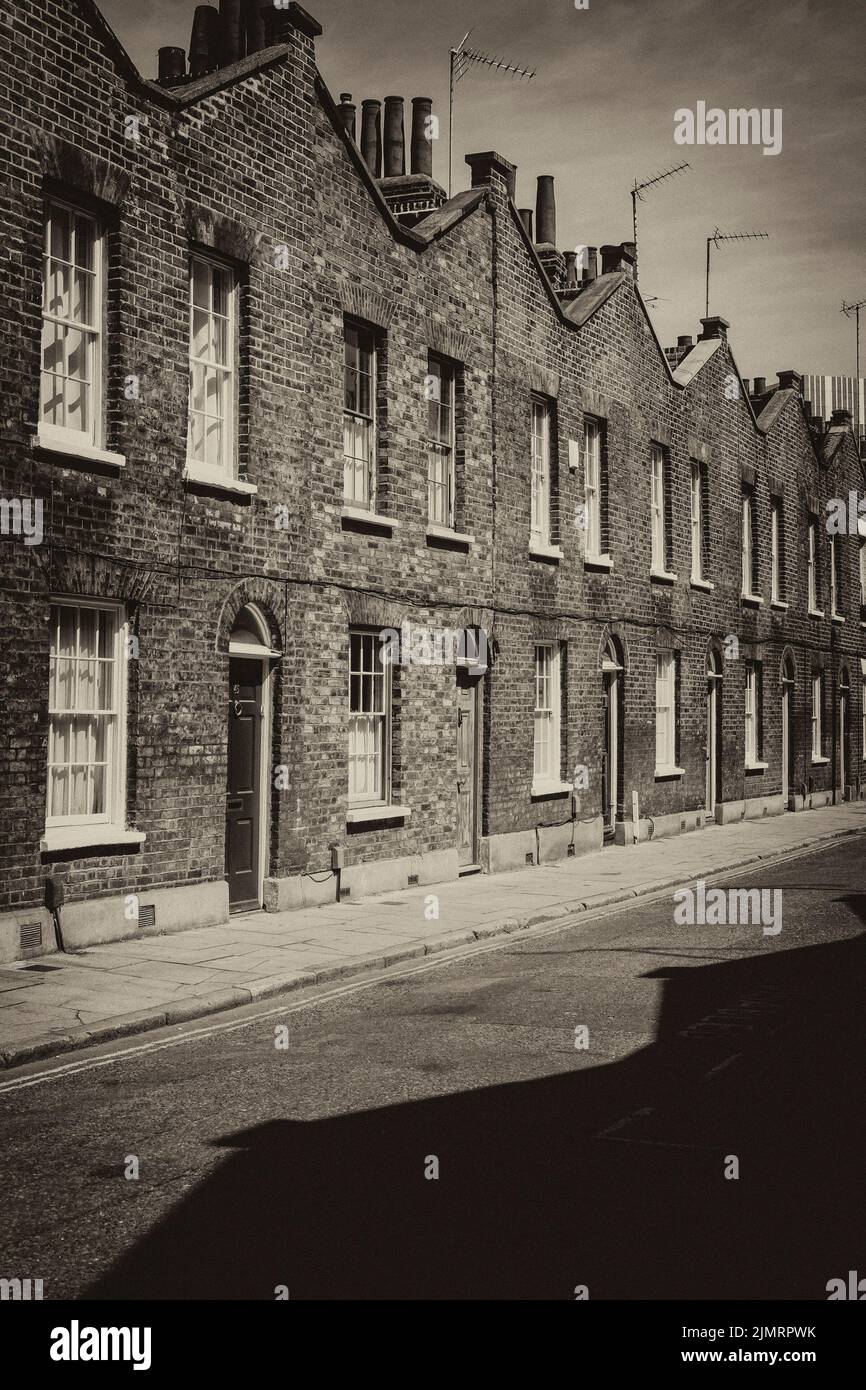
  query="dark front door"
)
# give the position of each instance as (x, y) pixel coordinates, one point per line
(466, 768)
(243, 792)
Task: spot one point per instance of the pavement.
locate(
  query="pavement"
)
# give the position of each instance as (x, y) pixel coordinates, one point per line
(60, 1003)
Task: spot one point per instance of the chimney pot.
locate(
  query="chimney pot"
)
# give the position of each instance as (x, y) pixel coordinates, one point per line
(570, 270)
(525, 215)
(841, 416)
(172, 66)
(206, 42)
(684, 341)
(371, 135)
(422, 145)
(759, 386)
(254, 25)
(545, 211)
(230, 27)
(347, 112)
(589, 257)
(395, 138)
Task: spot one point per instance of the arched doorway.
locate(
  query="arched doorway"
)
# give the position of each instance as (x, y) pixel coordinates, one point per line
(613, 719)
(788, 688)
(251, 664)
(713, 790)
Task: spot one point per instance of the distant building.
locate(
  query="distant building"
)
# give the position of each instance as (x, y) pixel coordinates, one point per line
(829, 393)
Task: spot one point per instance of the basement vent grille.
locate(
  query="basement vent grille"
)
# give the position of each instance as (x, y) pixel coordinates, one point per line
(147, 915)
(530, 858)
(344, 892)
(30, 935)
(413, 880)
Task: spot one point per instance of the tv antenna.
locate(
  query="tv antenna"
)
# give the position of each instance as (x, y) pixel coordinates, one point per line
(637, 193)
(716, 239)
(462, 59)
(848, 310)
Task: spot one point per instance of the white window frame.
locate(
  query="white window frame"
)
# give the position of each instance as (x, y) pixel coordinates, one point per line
(748, 541)
(592, 484)
(441, 442)
(817, 716)
(95, 333)
(114, 814)
(361, 424)
(547, 722)
(862, 574)
(863, 709)
(776, 557)
(697, 520)
(363, 721)
(227, 464)
(752, 713)
(812, 570)
(658, 520)
(666, 712)
(540, 470)
(835, 552)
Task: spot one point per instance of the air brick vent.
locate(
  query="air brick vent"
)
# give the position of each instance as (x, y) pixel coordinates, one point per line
(30, 935)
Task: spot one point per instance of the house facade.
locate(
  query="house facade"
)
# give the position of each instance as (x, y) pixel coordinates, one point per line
(352, 537)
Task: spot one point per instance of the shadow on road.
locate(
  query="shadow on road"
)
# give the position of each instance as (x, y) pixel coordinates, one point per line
(609, 1176)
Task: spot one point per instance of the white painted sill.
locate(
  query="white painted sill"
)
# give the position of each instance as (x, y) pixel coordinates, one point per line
(597, 562)
(779, 604)
(816, 612)
(706, 584)
(75, 447)
(819, 762)
(382, 523)
(663, 576)
(89, 837)
(550, 789)
(542, 550)
(363, 815)
(837, 618)
(753, 600)
(445, 533)
(217, 478)
(756, 766)
(670, 771)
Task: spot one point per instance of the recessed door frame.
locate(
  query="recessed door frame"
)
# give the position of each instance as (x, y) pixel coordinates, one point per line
(244, 646)
(714, 688)
(469, 680)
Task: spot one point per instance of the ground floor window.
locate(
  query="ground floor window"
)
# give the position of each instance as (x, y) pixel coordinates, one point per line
(546, 756)
(369, 720)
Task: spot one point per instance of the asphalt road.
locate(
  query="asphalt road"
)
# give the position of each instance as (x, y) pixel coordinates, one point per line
(559, 1166)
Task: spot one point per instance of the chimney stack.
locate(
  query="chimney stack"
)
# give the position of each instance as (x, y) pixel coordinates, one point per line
(254, 24)
(545, 211)
(371, 135)
(172, 66)
(395, 138)
(422, 146)
(204, 47)
(230, 27)
(347, 112)
(525, 215)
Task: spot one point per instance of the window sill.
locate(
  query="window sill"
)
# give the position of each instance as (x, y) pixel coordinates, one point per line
(669, 771)
(706, 584)
(362, 519)
(819, 762)
(543, 550)
(662, 576)
(540, 789)
(597, 562)
(753, 600)
(199, 475)
(837, 618)
(77, 452)
(779, 604)
(88, 837)
(448, 537)
(756, 766)
(364, 815)
(816, 612)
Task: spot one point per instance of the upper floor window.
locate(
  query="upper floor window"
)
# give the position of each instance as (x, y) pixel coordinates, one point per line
(359, 416)
(699, 521)
(835, 577)
(369, 720)
(594, 486)
(441, 442)
(863, 581)
(86, 733)
(212, 350)
(72, 325)
(814, 593)
(540, 524)
(749, 547)
(777, 550)
(659, 509)
(546, 766)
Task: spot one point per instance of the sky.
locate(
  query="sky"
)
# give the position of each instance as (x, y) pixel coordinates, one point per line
(600, 114)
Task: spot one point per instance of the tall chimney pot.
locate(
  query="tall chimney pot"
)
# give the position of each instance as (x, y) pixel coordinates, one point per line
(570, 270)
(545, 211)
(254, 24)
(759, 386)
(206, 41)
(371, 135)
(347, 112)
(525, 215)
(172, 66)
(590, 264)
(422, 146)
(395, 138)
(230, 26)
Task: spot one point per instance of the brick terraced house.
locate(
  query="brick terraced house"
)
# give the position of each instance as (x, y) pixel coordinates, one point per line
(354, 537)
